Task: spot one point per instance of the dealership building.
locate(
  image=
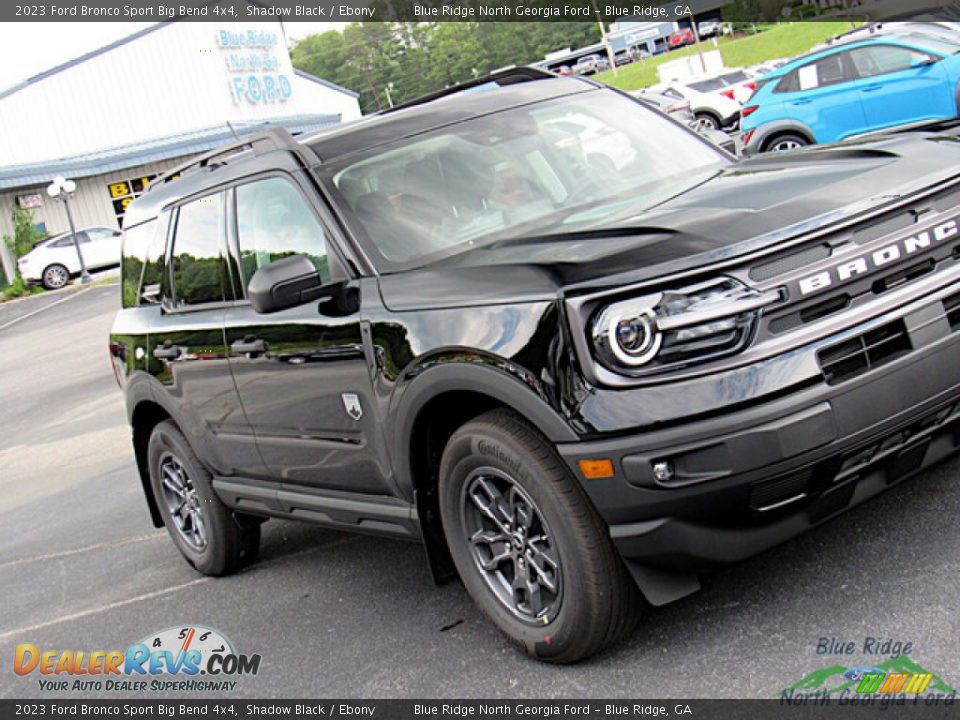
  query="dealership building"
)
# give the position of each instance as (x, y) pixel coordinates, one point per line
(116, 117)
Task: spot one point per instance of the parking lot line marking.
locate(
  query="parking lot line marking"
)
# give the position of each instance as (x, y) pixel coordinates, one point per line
(159, 593)
(103, 608)
(46, 307)
(77, 551)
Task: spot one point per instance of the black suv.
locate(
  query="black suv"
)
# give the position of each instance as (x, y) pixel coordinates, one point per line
(565, 342)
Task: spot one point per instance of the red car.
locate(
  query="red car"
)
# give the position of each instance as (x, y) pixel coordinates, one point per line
(679, 38)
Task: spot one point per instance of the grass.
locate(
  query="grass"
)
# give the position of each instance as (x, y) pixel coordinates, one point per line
(782, 40)
(18, 288)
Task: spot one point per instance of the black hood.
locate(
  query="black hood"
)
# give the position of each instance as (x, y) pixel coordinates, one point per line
(749, 206)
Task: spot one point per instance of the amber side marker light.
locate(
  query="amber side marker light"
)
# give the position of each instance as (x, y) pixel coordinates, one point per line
(596, 469)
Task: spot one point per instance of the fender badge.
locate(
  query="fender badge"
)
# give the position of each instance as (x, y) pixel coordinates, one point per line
(351, 402)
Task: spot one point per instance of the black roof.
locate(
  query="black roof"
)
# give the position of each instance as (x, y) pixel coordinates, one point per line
(490, 94)
(388, 127)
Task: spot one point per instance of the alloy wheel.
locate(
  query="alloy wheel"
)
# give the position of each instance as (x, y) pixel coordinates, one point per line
(511, 545)
(785, 145)
(180, 496)
(55, 277)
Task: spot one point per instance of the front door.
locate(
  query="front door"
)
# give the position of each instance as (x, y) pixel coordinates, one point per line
(302, 374)
(103, 248)
(900, 86)
(186, 350)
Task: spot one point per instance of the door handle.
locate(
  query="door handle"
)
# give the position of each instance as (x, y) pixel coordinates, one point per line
(167, 351)
(249, 345)
(871, 88)
(800, 102)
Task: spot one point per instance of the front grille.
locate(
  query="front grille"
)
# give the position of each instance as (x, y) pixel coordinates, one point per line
(788, 262)
(872, 349)
(770, 494)
(951, 306)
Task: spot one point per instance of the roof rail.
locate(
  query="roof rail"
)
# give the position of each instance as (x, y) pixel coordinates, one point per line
(508, 76)
(273, 139)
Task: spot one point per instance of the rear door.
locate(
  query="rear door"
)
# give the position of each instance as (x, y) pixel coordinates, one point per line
(302, 373)
(823, 96)
(186, 353)
(899, 85)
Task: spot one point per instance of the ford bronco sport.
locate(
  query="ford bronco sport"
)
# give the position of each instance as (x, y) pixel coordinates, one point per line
(580, 388)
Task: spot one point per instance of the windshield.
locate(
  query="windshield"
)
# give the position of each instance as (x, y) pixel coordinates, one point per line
(558, 167)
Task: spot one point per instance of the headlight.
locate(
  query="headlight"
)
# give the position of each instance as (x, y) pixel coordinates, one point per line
(663, 330)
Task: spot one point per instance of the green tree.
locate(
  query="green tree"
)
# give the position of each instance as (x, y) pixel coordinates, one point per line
(414, 58)
(25, 233)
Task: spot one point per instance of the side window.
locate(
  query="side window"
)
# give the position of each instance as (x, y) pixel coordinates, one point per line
(152, 279)
(135, 243)
(275, 221)
(823, 72)
(100, 233)
(883, 59)
(788, 83)
(67, 240)
(198, 267)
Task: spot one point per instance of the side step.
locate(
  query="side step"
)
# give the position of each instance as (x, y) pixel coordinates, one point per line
(353, 512)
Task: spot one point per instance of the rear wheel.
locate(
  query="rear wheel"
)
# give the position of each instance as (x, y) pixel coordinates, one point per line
(785, 143)
(706, 121)
(530, 549)
(55, 276)
(205, 531)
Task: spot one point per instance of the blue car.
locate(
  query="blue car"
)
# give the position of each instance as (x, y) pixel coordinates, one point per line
(888, 81)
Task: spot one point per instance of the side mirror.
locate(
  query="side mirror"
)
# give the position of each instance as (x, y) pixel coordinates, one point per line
(285, 283)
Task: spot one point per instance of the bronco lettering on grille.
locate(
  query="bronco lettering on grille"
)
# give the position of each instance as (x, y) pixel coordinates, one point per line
(879, 258)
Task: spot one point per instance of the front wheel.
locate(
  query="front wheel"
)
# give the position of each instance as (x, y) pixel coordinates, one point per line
(55, 276)
(530, 549)
(207, 533)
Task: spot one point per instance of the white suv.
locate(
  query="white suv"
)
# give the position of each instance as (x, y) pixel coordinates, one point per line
(54, 261)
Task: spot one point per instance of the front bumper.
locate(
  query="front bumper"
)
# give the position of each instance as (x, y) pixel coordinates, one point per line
(748, 480)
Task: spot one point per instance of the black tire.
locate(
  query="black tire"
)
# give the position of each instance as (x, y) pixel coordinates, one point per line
(785, 143)
(595, 602)
(224, 543)
(55, 276)
(707, 120)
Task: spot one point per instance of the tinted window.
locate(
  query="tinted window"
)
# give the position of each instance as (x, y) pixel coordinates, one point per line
(198, 264)
(789, 83)
(274, 221)
(67, 240)
(135, 243)
(882, 59)
(734, 78)
(823, 72)
(153, 265)
(100, 233)
(707, 85)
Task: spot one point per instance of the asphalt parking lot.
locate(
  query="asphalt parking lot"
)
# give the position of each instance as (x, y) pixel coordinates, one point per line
(336, 615)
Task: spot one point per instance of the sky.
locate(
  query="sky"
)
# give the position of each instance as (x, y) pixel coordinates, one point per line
(32, 47)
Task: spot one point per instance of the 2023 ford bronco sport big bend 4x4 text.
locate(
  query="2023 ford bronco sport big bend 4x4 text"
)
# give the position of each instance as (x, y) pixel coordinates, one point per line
(580, 388)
